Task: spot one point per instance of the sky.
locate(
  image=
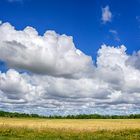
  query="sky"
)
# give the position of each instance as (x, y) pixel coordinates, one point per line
(70, 57)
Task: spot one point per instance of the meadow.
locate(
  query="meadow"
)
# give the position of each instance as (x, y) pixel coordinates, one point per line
(69, 129)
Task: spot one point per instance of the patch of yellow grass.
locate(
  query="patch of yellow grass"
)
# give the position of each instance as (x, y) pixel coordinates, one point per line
(73, 124)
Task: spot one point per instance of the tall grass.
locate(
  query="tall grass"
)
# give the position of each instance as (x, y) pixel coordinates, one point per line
(46, 129)
(24, 133)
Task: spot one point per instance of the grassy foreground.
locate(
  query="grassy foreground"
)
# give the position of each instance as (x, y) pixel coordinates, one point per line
(47, 129)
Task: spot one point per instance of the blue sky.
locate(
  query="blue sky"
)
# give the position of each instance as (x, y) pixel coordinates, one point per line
(80, 19)
(95, 72)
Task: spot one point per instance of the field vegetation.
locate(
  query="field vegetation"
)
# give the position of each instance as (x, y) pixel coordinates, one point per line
(69, 129)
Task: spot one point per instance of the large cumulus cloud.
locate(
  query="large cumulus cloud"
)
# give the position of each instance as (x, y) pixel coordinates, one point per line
(51, 54)
(60, 79)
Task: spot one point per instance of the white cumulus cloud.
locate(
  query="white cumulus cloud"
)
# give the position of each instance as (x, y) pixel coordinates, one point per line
(134, 60)
(60, 79)
(51, 54)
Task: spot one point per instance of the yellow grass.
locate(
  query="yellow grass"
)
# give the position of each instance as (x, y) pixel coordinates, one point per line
(69, 129)
(72, 124)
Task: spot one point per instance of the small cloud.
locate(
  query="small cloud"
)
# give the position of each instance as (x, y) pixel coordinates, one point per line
(106, 15)
(113, 31)
(0, 22)
(115, 35)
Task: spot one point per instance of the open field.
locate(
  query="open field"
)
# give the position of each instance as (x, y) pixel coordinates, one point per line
(105, 129)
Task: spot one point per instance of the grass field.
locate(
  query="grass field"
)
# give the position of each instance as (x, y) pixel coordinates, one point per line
(49, 129)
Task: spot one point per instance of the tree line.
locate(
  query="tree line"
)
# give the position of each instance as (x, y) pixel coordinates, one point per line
(80, 116)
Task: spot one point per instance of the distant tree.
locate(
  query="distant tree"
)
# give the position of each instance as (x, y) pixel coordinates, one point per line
(80, 116)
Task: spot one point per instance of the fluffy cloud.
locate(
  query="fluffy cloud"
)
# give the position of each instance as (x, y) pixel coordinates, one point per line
(50, 54)
(60, 79)
(134, 60)
(106, 14)
(18, 88)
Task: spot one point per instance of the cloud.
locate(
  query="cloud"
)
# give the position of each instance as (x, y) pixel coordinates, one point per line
(50, 54)
(134, 60)
(0, 22)
(106, 15)
(115, 35)
(62, 79)
(17, 87)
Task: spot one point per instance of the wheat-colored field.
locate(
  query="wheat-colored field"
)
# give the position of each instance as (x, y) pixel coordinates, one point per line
(65, 129)
(76, 124)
